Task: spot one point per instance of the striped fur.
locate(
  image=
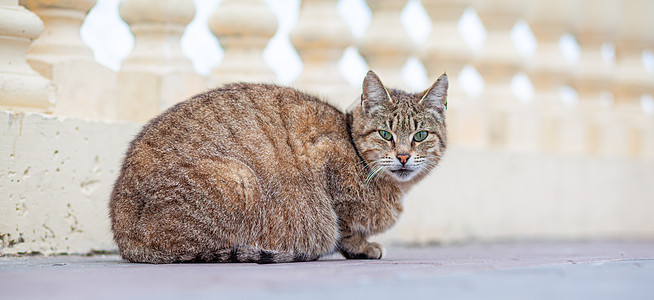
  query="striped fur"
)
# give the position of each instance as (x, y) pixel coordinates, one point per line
(250, 255)
(266, 174)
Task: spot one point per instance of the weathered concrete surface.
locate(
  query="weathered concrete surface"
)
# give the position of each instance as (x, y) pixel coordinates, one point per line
(56, 176)
(554, 270)
(495, 195)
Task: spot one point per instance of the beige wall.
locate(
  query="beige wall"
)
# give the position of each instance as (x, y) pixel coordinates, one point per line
(490, 195)
(57, 173)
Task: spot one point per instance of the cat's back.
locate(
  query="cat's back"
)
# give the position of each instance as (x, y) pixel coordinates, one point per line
(263, 125)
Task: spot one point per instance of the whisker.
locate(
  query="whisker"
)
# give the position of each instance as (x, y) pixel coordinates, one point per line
(372, 174)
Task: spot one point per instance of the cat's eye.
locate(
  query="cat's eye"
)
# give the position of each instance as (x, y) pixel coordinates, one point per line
(420, 136)
(385, 135)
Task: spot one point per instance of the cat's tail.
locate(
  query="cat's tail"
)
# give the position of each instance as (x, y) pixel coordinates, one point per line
(252, 255)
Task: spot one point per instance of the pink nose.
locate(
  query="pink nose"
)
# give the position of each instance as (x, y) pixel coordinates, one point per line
(403, 158)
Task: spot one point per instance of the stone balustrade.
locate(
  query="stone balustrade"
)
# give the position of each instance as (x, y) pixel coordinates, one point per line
(22, 88)
(607, 117)
(548, 68)
(156, 74)
(84, 88)
(589, 122)
(320, 48)
(243, 39)
(386, 45)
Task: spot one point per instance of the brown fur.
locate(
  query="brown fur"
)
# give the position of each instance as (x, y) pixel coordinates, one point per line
(263, 173)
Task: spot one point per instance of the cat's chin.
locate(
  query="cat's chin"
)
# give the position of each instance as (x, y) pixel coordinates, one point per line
(403, 175)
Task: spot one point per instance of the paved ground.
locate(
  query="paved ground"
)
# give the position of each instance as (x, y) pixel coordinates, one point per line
(552, 270)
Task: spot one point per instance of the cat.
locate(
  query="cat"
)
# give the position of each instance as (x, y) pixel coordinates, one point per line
(267, 174)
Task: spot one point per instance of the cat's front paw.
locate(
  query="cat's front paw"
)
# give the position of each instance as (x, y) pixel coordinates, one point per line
(374, 251)
(370, 251)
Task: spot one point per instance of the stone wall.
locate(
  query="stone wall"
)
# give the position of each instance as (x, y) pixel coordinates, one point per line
(495, 196)
(57, 173)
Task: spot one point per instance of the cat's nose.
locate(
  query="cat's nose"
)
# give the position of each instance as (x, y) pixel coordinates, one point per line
(403, 158)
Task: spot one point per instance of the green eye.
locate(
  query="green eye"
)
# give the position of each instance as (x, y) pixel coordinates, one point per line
(386, 135)
(420, 136)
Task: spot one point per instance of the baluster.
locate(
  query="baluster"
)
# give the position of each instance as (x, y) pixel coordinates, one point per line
(156, 74)
(445, 50)
(23, 88)
(548, 69)
(597, 23)
(595, 26)
(386, 45)
(320, 38)
(243, 29)
(498, 62)
(635, 34)
(646, 147)
(83, 87)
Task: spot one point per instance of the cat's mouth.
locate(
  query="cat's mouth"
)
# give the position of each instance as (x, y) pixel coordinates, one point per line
(402, 172)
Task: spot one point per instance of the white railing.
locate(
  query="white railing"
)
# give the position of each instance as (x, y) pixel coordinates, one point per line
(56, 72)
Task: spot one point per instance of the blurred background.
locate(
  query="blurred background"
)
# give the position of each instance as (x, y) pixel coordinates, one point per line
(550, 116)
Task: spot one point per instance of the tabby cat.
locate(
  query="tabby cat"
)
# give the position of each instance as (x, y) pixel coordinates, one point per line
(263, 173)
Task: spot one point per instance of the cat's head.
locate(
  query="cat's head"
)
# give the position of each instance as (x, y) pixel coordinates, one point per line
(400, 135)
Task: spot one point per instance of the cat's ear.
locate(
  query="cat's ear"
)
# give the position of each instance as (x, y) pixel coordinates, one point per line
(374, 93)
(435, 97)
